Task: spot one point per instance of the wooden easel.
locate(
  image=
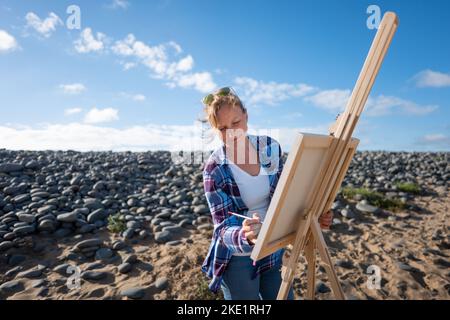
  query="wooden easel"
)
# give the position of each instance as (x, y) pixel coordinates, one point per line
(309, 236)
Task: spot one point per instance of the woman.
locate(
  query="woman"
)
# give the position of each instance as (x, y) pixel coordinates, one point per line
(240, 177)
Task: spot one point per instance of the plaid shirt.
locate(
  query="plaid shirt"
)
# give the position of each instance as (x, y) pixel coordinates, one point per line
(223, 197)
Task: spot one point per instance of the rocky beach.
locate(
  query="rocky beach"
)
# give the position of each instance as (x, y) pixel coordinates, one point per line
(135, 225)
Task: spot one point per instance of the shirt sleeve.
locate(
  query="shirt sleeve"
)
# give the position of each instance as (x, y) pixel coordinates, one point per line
(280, 161)
(228, 228)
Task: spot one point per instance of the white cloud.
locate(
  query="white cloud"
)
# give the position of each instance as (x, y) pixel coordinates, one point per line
(437, 139)
(430, 78)
(101, 115)
(87, 137)
(7, 42)
(71, 111)
(119, 4)
(157, 58)
(73, 88)
(201, 81)
(333, 100)
(135, 97)
(44, 27)
(336, 100)
(88, 42)
(176, 46)
(270, 93)
(383, 105)
(138, 97)
(128, 65)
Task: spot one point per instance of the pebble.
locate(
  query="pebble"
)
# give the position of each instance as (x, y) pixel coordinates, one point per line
(124, 267)
(88, 243)
(68, 217)
(32, 273)
(161, 283)
(133, 293)
(322, 287)
(94, 275)
(11, 287)
(365, 207)
(163, 236)
(103, 254)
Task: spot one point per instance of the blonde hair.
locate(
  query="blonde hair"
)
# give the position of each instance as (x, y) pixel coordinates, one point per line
(219, 101)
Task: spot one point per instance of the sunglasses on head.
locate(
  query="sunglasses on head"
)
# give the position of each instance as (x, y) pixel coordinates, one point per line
(225, 91)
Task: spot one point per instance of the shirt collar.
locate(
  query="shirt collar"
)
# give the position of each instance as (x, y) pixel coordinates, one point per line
(222, 159)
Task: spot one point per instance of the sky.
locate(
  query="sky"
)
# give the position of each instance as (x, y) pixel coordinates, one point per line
(132, 74)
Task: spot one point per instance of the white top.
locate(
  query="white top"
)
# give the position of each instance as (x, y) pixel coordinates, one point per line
(254, 190)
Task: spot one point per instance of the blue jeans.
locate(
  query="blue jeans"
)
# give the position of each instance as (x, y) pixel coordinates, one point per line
(238, 285)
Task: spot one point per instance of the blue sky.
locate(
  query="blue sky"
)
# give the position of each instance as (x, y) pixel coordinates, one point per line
(133, 75)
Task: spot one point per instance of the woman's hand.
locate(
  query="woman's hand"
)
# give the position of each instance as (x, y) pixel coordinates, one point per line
(326, 219)
(251, 227)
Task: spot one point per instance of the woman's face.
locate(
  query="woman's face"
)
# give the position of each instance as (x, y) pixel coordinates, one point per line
(231, 123)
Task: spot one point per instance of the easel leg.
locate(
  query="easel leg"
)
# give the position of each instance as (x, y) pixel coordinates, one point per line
(325, 256)
(287, 276)
(310, 253)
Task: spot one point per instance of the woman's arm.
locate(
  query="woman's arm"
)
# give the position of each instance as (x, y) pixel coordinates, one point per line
(227, 227)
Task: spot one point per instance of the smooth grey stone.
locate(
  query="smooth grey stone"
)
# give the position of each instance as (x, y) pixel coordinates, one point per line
(94, 265)
(96, 215)
(161, 283)
(128, 234)
(11, 287)
(205, 226)
(173, 229)
(40, 194)
(13, 271)
(76, 180)
(88, 243)
(133, 225)
(32, 164)
(32, 273)
(118, 245)
(5, 245)
(163, 215)
(141, 210)
(10, 167)
(46, 225)
(62, 232)
(322, 287)
(132, 258)
(61, 269)
(201, 209)
(25, 217)
(404, 266)
(346, 264)
(347, 213)
(163, 236)
(24, 230)
(21, 198)
(166, 223)
(103, 254)
(45, 209)
(38, 283)
(93, 204)
(174, 243)
(133, 293)
(86, 228)
(124, 267)
(94, 275)
(68, 217)
(365, 207)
